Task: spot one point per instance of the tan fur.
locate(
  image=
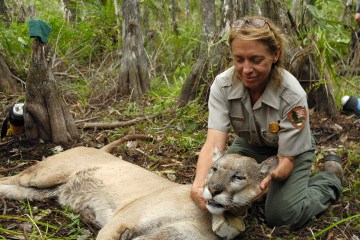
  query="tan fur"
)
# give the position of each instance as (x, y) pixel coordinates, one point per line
(123, 199)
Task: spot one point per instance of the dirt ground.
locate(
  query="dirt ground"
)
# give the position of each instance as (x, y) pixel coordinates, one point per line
(332, 134)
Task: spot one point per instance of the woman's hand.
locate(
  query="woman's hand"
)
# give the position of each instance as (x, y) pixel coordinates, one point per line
(280, 173)
(215, 139)
(197, 196)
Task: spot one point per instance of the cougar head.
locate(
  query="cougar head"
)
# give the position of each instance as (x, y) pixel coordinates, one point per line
(234, 180)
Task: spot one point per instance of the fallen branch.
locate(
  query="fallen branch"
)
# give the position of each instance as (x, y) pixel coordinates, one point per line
(7, 142)
(85, 120)
(326, 139)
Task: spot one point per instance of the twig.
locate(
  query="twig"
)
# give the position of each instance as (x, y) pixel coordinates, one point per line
(19, 79)
(85, 120)
(115, 124)
(327, 138)
(35, 225)
(350, 83)
(7, 142)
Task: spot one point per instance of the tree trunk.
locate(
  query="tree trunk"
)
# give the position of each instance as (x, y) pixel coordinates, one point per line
(320, 95)
(117, 9)
(70, 9)
(210, 62)
(7, 82)
(229, 13)
(208, 15)
(22, 11)
(46, 115)
(277, 12)
(215, 58)
(4, 12)
(304, 66)
(173, 16)
(134, 77)
(353, 61)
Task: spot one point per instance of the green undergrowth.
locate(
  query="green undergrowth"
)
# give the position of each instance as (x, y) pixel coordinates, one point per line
(183, 127)
(55, 222)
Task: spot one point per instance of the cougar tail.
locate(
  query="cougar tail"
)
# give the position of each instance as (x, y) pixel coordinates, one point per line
(109, 147)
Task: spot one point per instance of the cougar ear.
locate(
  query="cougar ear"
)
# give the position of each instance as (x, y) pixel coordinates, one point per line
(268, 165)
(217, 154)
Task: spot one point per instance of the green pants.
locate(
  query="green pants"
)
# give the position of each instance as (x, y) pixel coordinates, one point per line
(296, 200)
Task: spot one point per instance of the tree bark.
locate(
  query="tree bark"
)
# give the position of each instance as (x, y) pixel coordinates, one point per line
(229, 13)
(7, 83)
(173, 8)
(304, 64)
(210, 62)
(4, 12)
(117, 9)
(320, 95)
(46, 116)
(215, 56)
(70, 9)
(133, 77)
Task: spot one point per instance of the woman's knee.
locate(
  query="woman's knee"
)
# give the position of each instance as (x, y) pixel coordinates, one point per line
(284, 216)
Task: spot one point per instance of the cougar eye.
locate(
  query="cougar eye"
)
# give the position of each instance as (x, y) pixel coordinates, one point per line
(238, 177)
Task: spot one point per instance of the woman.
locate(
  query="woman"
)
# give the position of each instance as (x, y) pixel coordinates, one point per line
(267, 108)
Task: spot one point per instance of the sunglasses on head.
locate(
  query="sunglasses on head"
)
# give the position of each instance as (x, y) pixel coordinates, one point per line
(253, 22)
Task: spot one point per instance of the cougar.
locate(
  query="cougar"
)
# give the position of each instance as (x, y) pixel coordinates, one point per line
(126, 201)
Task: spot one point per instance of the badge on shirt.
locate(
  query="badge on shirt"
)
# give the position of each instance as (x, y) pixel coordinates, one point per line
(297, 117)
(274, 127)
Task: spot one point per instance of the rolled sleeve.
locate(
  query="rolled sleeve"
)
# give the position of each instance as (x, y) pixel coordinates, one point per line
(294, 141)
(218, 108)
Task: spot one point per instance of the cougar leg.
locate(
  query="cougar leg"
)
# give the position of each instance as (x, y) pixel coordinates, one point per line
(19, 193)
(114, 231)
(40, 175)
(178, 230)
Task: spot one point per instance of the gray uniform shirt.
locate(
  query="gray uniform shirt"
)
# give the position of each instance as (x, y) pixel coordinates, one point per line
(280, 118)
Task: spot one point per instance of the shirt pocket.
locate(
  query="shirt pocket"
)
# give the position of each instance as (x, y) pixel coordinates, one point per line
(241, 127)
(270, 139)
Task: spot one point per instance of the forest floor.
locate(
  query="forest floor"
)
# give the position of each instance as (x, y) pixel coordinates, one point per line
(339, 134)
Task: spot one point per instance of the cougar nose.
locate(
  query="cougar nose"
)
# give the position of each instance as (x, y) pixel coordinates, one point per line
(215, 189)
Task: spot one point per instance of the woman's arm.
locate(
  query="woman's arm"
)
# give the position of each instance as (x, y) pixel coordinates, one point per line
(214, 139)
(280, 173)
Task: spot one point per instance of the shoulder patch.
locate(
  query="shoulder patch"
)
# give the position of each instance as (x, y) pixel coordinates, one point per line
(297, 116)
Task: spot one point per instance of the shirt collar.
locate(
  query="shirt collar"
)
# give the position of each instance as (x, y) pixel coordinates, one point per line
(270, 96)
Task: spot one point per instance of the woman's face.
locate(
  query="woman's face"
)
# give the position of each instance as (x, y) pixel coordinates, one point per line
(253, 61)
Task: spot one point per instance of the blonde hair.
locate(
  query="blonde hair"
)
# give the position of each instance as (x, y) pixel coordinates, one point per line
(271, 35)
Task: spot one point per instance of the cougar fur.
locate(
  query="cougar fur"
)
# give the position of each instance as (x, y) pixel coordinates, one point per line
(126, 201)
